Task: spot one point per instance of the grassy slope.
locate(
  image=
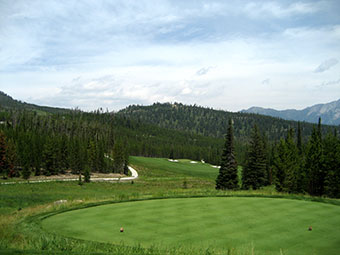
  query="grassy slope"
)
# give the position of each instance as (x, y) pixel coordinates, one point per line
(182, 168)
(268, 224)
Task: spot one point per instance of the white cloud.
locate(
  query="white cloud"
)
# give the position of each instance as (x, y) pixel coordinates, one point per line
(203, 70)
(331, 83)
(275, 9)
(327, 64)
(217, 53)
(265, 82)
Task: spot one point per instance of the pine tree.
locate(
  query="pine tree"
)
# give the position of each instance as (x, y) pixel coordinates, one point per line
(80, 182)
(171, 156)
(255, 169)
(118, 158)
(11, 158)
(87, 174)
(299, 139)
(126, 167)
(279, 166)
(293, 169)
(314, 168)
(26, 172)
(49, 158)
(3, 159)
(331, 165)
(228, 178)
(93, 158)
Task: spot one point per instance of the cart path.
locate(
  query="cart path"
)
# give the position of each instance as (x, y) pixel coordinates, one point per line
(134, 175)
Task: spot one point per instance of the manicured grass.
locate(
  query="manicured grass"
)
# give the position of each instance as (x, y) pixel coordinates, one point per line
(162, 166)
(269, 225)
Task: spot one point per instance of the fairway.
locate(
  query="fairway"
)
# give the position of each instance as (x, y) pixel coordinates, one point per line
(267, 224)
(181, 168)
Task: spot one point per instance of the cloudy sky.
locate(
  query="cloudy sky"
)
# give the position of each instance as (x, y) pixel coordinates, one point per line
(227, 55)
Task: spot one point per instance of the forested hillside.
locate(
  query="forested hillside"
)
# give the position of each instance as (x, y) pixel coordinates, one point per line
(7, 102)
(51, 144)
(210, 122)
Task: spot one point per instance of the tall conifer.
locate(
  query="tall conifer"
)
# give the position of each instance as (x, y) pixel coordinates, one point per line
(3, 159)
(313, 164)
(255, 170)
(228, 178)
(331, 164)
(299, 139)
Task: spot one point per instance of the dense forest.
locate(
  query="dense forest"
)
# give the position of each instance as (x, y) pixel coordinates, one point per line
(295, 157)
(292, 167)
(210, 122)
(50, 142)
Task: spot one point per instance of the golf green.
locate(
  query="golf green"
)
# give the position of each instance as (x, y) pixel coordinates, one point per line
(266, 224)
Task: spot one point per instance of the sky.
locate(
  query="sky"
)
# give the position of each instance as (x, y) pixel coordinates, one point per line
(228, 55)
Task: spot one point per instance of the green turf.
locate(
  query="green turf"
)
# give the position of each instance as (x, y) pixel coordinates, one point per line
(266, 224)
(162, 166)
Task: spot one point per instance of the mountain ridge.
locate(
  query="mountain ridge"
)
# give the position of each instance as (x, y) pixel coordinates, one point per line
(328, 112)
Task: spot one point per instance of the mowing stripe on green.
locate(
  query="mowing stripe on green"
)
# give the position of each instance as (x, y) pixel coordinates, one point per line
(268, 224)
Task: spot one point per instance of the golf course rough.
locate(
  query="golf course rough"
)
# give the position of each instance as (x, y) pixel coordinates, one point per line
(267, 224)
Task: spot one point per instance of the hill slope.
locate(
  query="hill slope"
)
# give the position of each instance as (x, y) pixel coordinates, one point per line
(210, 122)
(329, 113)
(8, 102)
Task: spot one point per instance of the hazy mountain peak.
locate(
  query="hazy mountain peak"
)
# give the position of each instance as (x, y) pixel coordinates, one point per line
(329, 113)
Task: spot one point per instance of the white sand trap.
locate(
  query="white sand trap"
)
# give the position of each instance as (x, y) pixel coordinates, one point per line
(193, 162)
(216, 166)
(173, 160)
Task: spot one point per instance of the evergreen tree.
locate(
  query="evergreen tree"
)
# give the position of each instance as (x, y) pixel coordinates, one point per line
(4, 168)
(286, 165)
(313, 165)
(299, 139)
(255, 169)
(11, 158)
(279, 166)
(228, 178)
(293, 164)
(126, 167)
(93, 157)
(171, 156)
(87, 174)
(49, 158)
(80, 182)
(331, 165)
(74, 156)
(118, 158)
(62, 154)
(36, 154)
(26, 172)
(100, 159)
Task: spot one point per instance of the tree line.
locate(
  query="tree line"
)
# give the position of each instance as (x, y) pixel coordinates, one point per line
(291, 165)
(51, 144)
(209, 122)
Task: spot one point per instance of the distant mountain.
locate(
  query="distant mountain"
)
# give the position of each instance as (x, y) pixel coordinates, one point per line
(329, 113)
(8, 102)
